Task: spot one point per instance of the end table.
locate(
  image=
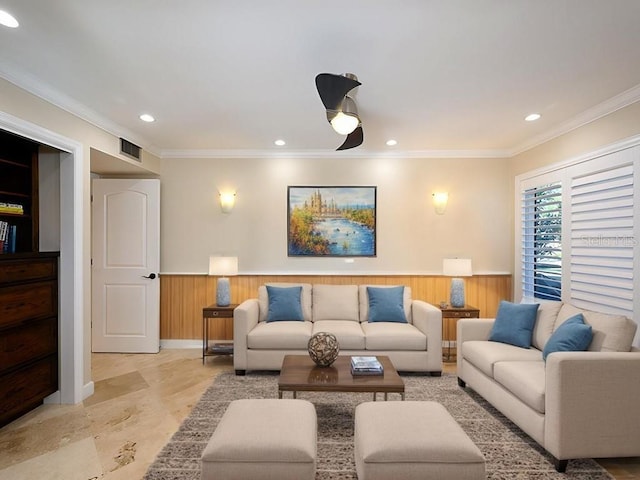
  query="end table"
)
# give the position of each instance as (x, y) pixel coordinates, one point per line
(454, 313)
(209, 313)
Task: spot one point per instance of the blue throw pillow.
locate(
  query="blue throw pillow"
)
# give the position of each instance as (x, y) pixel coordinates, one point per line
(386, 304)
(571, 336)
(284, 304)
(514, 323)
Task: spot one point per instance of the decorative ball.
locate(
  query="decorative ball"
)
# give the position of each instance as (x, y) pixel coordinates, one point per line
(323, 348)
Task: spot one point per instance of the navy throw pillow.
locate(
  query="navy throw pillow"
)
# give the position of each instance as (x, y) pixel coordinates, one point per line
(514, 323)
(573, 335)
(386, 304)
(284, 304)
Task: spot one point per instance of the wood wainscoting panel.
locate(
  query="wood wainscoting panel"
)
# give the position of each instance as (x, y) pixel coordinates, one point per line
(182, 297)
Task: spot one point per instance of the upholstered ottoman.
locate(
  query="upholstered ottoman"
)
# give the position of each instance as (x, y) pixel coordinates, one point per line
(263, 439)
(413, 440)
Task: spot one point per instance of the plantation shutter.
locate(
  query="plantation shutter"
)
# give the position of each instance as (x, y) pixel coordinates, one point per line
(541, 238)
(602, 240)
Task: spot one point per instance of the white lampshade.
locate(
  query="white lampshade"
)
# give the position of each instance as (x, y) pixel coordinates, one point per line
(456, 267)
(223, 266)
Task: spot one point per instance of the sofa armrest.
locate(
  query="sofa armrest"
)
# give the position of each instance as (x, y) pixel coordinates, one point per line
(473, 329)
(245, 318)
(591, 404)
(470, 329)
(428, 319)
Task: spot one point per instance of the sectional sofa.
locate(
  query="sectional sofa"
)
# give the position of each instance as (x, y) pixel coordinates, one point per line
(575, 404)
(408, 331)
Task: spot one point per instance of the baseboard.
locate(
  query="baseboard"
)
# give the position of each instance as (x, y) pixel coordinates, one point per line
(88, 390)
(180, 343)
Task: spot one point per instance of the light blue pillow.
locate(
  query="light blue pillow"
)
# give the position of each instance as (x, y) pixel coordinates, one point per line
(573, 335)
(386, 304)
(284, 304)
(514, 323)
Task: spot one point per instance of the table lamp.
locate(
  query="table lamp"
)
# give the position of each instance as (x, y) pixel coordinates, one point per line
(224, 267)
(457, 267)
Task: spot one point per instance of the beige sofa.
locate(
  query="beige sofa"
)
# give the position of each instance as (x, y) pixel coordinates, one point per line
(576, 404)
(342, 310)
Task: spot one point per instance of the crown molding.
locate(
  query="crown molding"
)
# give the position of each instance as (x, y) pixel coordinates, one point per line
(323, 154)
(624, 99)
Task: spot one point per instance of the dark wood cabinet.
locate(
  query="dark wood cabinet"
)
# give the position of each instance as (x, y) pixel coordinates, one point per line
(28, 331)
(28, 286)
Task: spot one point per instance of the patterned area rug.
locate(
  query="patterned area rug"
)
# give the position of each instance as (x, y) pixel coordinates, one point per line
(509, 453)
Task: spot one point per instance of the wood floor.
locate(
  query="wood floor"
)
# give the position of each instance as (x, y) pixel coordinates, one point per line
(139, 402)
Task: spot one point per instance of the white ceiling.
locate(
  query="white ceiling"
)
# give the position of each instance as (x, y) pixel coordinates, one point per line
(228, 77)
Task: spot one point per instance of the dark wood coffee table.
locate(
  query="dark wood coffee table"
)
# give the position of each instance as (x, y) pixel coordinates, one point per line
(300, 374)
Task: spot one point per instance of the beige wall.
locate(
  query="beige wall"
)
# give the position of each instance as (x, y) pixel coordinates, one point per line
(411, 238)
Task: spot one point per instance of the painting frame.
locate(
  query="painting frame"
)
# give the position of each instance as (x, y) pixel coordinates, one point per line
(331, 221)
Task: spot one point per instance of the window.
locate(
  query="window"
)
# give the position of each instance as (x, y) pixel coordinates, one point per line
(579, 233)
(542, 242)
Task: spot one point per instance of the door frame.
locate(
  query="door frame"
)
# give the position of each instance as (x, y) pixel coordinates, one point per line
(73, 258)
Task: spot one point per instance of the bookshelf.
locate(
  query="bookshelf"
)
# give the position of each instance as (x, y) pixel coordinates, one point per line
(18, 194)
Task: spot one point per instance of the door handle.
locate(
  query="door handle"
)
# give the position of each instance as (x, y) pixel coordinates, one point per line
(151, 276)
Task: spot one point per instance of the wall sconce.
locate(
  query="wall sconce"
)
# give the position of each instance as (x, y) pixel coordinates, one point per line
(227, 201)
(223, 267)
(440, 200)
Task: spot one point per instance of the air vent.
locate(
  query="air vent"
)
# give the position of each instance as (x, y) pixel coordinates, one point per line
(130, 149)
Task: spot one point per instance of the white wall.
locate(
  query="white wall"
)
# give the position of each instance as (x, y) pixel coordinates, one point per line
(411, 238)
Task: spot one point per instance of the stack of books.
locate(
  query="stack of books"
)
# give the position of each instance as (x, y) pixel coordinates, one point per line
(366, 366)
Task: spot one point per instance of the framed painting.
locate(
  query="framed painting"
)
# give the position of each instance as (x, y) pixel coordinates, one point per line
(331, 221)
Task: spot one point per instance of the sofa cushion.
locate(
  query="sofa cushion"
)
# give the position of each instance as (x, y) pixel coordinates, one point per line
(572, 336)
(526, 380)
(514, 324)
(393, 336)
(545, 321)
(483, 354)
(386, 304)
(611, 333)
(349, 334)
(263, 299)
(364, 301)
(280, 335)
(284, 303)
(335, 302)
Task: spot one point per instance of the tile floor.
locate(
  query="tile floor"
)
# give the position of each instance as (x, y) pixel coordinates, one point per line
(139, 402)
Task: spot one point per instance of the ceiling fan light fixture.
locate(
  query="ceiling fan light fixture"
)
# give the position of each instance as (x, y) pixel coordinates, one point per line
(346, 120)
(345, 123)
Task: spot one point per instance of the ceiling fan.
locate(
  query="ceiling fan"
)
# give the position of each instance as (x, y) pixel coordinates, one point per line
(342, 112)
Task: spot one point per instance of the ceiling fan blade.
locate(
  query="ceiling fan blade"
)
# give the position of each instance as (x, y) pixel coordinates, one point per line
(332, 89)
(354, 139)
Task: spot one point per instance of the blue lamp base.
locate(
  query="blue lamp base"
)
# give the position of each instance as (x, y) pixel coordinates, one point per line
(457, 293)
(223, 292)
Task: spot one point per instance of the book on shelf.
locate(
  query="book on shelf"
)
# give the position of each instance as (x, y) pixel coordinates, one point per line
(366, 366)
(7, 237)
(11, 208)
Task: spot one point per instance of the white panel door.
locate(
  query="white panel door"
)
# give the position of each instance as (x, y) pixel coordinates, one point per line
(125, 305)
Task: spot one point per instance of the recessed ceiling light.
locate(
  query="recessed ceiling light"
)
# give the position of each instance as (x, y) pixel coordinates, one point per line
(280, 142)
(8, 20)
(392, 142)
(145, 117)
(532, 117)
